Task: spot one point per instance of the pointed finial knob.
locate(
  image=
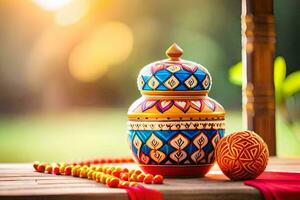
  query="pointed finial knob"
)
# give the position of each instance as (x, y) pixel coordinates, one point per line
(174, 52)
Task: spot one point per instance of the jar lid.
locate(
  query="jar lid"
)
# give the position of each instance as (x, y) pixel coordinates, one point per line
(174, 76)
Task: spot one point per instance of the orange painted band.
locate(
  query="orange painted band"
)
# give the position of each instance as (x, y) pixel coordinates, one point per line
(174, 116)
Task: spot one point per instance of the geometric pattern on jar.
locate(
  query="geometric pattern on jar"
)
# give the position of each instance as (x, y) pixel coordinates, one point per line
(179, 141)
(210, 104)
(215, 139)
(200, 140)
(141, 82)
(183, 105)
(205, 82)
(153, 83)
(154, 142)
(157, 156)
(164, 105)
(148, 104)
(178, 155)
(171, 82)
(197, 105)
(173, 68)
(137, 143)
(191, 68)
(198, 156)
(175, 125)
(144, 158)
(191, 82)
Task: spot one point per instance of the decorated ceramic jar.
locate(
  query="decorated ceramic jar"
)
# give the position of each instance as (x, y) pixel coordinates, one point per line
(174, 127)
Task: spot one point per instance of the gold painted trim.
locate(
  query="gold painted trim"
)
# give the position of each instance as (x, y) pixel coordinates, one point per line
(175, 93)
(138, 117)
(175, 116)
(185, 98)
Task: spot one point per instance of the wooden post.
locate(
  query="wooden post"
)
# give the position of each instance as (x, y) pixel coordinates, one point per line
(258, 41)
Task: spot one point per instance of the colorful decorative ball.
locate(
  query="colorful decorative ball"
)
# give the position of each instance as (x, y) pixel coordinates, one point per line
(242, 155)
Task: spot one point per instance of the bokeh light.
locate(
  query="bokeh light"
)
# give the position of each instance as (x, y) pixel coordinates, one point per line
(48, 55)
(109, 44)
(72, 12)
(52, 5)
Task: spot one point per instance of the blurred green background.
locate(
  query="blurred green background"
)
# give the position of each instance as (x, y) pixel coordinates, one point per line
(68, 69)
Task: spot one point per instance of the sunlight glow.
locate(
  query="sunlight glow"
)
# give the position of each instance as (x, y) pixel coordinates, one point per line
(109, 44)
(72, 12)
(52, 5)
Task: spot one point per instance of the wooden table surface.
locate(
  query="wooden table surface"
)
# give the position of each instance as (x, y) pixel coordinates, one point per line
(18, 181)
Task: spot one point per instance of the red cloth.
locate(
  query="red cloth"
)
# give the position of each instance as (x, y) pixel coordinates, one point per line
(277, 185)
(143, 193)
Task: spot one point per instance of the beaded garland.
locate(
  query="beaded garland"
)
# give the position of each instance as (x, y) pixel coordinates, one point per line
(101, 171)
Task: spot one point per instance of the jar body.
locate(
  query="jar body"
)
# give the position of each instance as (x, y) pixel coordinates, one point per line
(175, 135)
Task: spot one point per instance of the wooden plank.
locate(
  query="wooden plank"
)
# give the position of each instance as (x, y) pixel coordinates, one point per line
(58, 178)
(102, 196)
(47, 182)
(28, 184)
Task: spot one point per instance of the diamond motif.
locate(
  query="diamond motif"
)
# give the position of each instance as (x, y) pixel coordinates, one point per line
(157, 156)
(215, 139)
(205, 82)
(141, 82)
(179, 142)
(173, 68)
(153, 83)
(178, 156)
(172, 82)
(191, 82)
(198, 156)
(200, 141)
(154, 142)
(145, 159)
(137, 143)
(211, 157)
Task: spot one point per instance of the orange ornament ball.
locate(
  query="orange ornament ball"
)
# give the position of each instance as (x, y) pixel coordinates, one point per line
(242, 155)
